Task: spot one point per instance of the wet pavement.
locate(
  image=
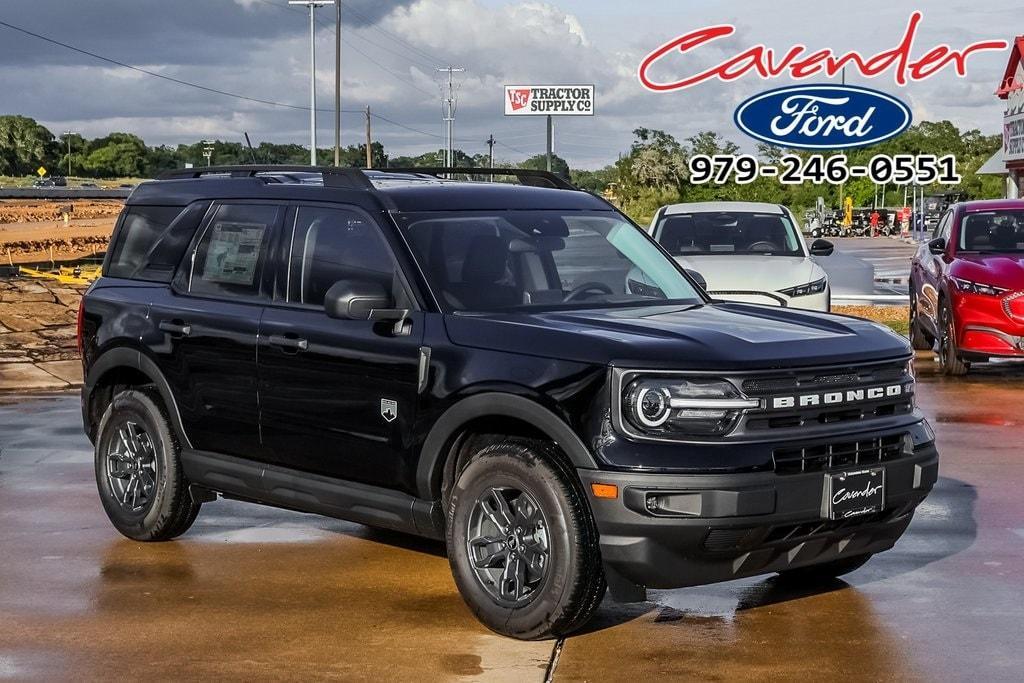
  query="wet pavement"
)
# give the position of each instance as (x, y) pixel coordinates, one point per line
(254, 592)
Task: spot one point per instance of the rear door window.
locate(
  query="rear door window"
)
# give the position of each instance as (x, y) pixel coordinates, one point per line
(230, 257)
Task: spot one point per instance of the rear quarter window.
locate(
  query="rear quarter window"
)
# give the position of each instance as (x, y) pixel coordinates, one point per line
(151, 241)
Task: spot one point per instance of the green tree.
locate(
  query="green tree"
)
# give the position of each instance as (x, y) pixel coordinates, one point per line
(24, 145)
(596, 181)
(539, 162)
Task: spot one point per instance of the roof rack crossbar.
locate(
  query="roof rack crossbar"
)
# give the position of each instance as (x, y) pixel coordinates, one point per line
(525, 175)
(334, 176)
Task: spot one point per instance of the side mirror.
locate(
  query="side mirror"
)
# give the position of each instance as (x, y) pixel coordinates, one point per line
(822, 248)
(937, 246)
(698, 278)
(355, 299)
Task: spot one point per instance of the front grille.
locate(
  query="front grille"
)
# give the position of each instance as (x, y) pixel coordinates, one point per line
(814, 416)
(823, 457)
(830, 379)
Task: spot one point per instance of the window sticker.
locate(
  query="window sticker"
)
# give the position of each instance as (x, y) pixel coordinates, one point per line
(233, 252)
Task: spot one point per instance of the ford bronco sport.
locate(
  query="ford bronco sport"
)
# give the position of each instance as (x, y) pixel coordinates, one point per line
(517, 369)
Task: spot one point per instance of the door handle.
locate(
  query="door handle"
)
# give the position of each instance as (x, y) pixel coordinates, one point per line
(288, 342)
(175, 328)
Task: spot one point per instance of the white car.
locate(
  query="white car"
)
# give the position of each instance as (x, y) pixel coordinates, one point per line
(746, 251)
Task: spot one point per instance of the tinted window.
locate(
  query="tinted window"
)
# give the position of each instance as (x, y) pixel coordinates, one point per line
(993, 231)
(230, 256)
(141, 229)
(728, 232)
(328, 245)
(484, 261)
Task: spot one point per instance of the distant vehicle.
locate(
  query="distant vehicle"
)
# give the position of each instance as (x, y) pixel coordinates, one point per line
(746, 251)
(59, 181)
(43, 182)
(967, 285)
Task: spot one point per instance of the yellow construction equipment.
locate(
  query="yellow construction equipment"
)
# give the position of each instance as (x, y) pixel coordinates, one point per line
(66, 275)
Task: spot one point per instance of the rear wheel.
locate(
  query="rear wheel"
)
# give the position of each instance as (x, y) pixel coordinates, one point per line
(138, 470)
(522, 544)
(919, 338)
(950, 362)
(817, 573)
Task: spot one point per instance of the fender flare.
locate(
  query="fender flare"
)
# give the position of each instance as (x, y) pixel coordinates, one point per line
(133, 358)
(493, 404)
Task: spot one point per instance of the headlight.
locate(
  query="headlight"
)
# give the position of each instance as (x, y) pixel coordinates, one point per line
(973, 287)
(681, 406)
(816, 287)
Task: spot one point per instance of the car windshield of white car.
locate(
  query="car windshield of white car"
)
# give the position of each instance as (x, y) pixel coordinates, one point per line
(993, 231)
(728, 232)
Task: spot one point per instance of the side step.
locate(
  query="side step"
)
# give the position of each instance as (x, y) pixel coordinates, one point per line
(305, 492)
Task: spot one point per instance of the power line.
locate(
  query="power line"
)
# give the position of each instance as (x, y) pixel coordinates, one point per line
(152, 73)
(431, 58)
(518, 151)
(199, 86)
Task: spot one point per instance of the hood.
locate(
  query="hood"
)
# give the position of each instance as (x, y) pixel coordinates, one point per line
(720, 336)
(1000, 270)
(749, 273)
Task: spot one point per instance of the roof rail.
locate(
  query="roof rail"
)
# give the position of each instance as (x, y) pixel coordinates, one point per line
(334, 176)
(525, 175)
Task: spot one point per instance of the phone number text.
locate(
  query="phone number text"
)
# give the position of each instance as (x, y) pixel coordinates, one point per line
(899, 169)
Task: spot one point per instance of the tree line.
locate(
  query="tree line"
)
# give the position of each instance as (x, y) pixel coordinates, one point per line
(654, 171)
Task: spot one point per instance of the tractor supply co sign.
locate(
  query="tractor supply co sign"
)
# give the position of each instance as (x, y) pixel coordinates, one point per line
(549, 100)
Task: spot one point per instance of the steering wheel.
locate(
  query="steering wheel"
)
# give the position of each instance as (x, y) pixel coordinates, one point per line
(580, 290)
(763, 246)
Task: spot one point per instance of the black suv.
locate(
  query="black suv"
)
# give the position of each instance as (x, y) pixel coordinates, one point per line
(517, 369)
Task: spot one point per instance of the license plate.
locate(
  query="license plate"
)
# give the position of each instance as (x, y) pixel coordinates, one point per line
(853, 494)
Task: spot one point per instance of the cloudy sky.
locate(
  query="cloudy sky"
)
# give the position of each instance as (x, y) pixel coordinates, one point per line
(259, 49)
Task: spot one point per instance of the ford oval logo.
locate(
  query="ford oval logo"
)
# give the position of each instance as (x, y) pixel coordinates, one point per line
(822, 116)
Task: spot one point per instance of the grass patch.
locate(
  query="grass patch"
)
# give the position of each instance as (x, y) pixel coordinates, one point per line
(895, 317)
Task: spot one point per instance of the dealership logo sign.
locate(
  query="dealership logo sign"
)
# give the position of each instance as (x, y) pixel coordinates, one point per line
(822, 117)
(811, 117)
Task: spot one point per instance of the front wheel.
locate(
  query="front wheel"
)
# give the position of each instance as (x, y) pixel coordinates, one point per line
(522, 543)
(817, 573)
(950, 363)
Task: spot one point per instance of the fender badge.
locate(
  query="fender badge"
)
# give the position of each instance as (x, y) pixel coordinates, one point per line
(388, 409)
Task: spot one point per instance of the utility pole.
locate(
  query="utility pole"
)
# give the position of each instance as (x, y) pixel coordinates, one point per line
(551, 140)
(337, 83)
(312, 5)
(448, 104)
(207, 151)
(67, 134)
(369, 148)
(490, 153)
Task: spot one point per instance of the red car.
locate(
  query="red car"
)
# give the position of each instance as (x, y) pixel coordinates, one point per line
(967, 285)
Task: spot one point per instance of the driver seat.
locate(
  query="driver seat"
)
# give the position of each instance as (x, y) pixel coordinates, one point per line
(484, 269)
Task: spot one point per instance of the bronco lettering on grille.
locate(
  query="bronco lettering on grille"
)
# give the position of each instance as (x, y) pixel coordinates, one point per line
(832, 398)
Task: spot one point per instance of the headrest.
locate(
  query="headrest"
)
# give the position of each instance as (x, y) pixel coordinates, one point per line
(486, 259)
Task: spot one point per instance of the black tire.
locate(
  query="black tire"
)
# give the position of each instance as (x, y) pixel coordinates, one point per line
(919, 337)
(818, 573)
(162, 509)
(572, 585)
(950, 363)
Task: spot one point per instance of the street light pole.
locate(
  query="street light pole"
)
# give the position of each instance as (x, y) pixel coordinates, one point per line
(312, 5)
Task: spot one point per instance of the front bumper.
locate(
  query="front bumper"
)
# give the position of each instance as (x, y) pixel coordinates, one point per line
(730, 526)
(989, 326)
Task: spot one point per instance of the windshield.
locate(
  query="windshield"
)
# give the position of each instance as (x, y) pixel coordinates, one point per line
(993, 231)
(505, 260)
(728, 232)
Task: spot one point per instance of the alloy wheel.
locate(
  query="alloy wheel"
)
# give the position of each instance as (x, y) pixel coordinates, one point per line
(131, 467)
(507, 544)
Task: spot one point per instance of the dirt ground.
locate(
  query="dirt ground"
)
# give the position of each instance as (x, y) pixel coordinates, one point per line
(33, 230)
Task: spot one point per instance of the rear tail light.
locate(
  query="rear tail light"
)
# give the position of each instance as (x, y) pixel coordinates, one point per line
(78, 325)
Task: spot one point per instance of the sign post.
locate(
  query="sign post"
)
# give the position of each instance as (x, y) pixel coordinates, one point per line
(549, 101)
